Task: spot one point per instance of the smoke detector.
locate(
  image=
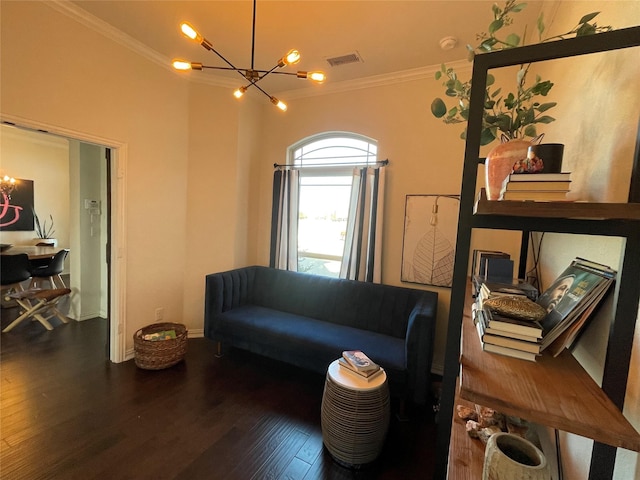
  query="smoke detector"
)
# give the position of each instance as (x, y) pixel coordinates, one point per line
(448, 43)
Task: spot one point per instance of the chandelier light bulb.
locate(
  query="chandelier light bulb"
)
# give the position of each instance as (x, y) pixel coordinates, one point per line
(278, 103)
(239, 92)
(181, 65)
(318, 77)
(292, 57)
(191, 33)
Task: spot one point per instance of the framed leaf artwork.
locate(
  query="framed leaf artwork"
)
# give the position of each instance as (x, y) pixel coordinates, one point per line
(429, 243)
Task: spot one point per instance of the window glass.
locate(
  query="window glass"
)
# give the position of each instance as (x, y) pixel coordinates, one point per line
(326, 164)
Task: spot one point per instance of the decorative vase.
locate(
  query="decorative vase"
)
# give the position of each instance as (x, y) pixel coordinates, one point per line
(46, 242)
(510, 457)
(500, 160)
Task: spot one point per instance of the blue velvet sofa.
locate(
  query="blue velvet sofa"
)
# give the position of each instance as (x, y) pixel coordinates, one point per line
(308, 320)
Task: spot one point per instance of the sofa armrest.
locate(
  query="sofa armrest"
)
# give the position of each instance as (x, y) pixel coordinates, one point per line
(224, 291)
(419, 345)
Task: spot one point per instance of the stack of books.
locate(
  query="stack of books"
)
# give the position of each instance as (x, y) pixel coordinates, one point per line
(543, 187)
(356, 363)
(570, 302)
(506, 335)
(497, 288)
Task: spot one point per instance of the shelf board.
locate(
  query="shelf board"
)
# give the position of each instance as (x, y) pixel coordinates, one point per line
(554, 391)
(467, 454)
(578, 210)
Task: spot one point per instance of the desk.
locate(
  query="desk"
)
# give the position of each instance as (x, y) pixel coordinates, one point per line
(34, 253)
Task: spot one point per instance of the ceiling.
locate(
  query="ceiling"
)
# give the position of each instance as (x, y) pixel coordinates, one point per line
(391, 37)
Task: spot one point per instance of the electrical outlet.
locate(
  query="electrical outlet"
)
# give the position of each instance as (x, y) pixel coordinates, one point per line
(159, 314)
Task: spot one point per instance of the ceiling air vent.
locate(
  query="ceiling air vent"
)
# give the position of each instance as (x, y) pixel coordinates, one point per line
(345, 59)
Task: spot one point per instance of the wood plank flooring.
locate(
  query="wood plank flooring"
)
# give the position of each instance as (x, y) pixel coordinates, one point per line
(69, 413)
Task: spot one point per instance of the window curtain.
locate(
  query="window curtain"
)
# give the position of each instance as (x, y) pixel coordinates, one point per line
(363, 240)
(284, 220)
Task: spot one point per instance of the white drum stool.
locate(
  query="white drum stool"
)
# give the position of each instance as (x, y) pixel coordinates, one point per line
(355, 416)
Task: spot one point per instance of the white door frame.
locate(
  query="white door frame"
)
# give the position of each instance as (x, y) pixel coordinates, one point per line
(118, 270)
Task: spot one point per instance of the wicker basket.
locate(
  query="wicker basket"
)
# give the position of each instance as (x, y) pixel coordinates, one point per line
(159, 354)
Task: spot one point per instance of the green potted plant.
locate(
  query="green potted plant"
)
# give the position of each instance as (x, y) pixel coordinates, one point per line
(514, 116)
(44, 231)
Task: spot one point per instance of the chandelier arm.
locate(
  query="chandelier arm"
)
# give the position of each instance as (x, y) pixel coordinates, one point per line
(258, 87)
(219, 68)
(253, 34)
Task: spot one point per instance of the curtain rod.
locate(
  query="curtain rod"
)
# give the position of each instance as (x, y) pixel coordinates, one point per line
(379, 163)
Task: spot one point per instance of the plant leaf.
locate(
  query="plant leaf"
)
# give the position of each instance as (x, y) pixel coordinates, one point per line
(513, 40)
(438, 108)
(486, 136)
(518, 8)
(585, 29)
(438, 75)
(546, 106)
(588, 17)
(530, 131)
(496, 25)
(540, 25)
(545, 119)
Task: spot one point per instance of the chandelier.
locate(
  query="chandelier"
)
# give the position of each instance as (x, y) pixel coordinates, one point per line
(7, 186)
(252, 75)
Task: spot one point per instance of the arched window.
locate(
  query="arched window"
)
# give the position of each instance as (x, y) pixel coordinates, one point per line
(325, 163)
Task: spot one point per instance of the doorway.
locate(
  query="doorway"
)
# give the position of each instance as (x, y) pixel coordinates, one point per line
(89, 228)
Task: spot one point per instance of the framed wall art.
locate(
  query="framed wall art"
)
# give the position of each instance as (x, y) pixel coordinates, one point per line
(16, 207)
(429, 243)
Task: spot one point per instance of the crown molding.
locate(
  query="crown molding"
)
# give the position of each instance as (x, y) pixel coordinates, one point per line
(393, 78)
(83, 17)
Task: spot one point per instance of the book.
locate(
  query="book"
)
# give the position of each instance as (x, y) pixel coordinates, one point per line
(359, 361)
(368, 376)
(525, 346)
(539, 196)
(534, 177)
(532, 186)
(512, 325)
(572, 297)
(484, 329)
(509, 352)
(514, 287)
(480, 257)
(162, 335)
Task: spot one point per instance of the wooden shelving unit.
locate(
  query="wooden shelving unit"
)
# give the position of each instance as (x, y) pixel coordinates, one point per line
(556, 392)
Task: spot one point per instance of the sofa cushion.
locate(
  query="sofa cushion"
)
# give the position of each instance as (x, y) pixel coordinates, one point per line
(378, 308)
(304, 341)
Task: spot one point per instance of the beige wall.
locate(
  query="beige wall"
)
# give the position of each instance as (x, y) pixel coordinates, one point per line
(19, 150)
(64, 75)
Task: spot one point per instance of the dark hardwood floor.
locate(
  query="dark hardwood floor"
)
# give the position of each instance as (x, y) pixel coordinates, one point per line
(68, 413)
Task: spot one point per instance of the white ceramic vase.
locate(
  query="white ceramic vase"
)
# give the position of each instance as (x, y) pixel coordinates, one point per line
(510, 457)
(51, 242)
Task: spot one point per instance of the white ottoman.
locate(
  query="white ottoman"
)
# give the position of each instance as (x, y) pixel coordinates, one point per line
(355, 416)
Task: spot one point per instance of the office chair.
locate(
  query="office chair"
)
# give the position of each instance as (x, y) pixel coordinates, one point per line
(50, 272)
